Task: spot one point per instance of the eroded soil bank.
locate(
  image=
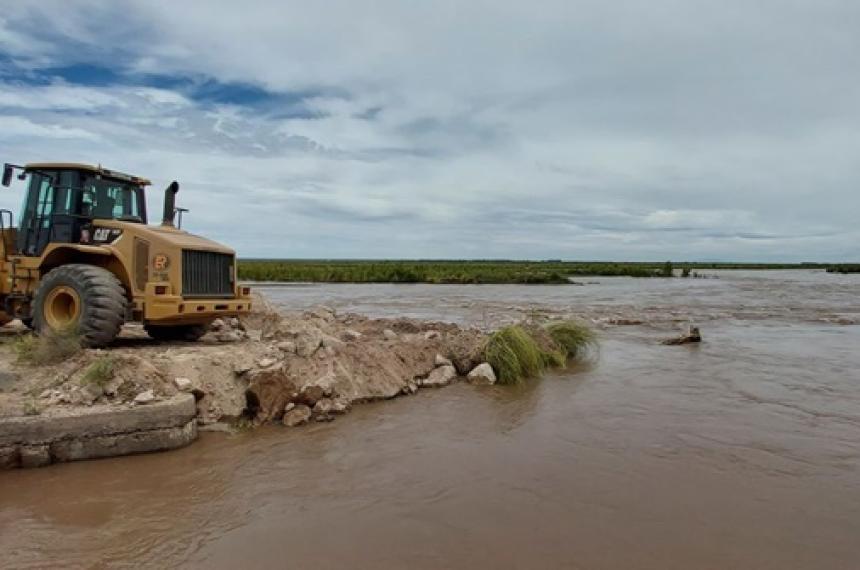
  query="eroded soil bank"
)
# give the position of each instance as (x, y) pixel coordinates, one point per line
(268, 367)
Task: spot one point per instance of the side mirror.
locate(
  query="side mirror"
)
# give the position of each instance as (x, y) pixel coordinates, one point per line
(7, 174)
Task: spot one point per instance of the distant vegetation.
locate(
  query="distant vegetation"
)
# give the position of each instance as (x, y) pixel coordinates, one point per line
(477, 271)
(844, 268)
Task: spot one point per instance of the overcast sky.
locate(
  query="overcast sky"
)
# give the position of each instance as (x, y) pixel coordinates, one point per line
(658, 129)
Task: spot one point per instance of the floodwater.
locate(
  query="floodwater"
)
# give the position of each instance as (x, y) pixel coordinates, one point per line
(742, 452)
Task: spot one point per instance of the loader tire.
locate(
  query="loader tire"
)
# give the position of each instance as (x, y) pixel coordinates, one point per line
(83, 298)
(176, 332)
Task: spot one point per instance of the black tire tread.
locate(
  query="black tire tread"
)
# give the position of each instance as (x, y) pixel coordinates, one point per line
(102, 296)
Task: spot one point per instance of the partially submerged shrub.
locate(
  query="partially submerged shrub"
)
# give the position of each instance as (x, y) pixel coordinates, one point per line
(574, 338)
(48, 348)
(100, 371)
(520, 352)
(514, 355)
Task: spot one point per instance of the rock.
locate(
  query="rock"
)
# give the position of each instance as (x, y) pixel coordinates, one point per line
(287, 346)
(220, 427)
(691, 335)
(410, 388)
(241, 369)
(217, 325)
(228, 336)
(310, 395)
(323, 406)
(35, 456)
(389, 334)
(234, 323)
(482, 374)
(266, 362)
(350, 335)
(430, 335)
(465, 350)
(145, 397)
(332, 342)
(340, 406)
(308, 344)
(297, 416)
(322, 312)
(442, 361)
(76, 397)
(92, 392)
(289, 407)
(440, 376)
(183, 384)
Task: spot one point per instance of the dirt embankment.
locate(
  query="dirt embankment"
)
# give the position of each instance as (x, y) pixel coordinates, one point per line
(269, 367)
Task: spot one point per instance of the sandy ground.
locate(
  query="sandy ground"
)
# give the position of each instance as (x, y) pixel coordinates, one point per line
(268, 367)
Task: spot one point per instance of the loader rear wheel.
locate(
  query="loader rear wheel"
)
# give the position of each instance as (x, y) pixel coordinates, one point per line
(176, 332)
(83, 298)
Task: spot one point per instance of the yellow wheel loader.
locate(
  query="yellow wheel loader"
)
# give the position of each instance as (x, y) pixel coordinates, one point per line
(83, 258)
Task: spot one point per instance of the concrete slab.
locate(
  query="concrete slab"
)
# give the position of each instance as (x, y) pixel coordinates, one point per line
(73, 434)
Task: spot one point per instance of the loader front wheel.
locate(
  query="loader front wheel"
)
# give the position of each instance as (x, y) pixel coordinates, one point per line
(82, 298)
(176, 332)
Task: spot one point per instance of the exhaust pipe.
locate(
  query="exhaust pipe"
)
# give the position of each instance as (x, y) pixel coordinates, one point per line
(170, 203)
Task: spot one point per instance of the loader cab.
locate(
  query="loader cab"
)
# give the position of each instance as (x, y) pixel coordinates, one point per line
(62, 202)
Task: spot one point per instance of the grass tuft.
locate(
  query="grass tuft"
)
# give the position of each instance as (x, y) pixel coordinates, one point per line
(574, 338)
(48, 348)
(100, 372)
(518, 352)
(514, 355)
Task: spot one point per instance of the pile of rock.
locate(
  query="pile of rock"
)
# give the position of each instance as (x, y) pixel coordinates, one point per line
(228, 330)
(446, 372)
(295, 369)
(314, 403)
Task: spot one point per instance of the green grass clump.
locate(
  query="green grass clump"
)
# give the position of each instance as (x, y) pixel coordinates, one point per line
(99, 372)
(514, 355)
(519, 352)
(574, 338)
(48, 348)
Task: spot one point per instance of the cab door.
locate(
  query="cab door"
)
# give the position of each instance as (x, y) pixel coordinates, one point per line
(34, 232)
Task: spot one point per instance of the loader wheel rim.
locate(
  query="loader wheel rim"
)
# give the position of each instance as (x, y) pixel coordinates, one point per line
(62, 307)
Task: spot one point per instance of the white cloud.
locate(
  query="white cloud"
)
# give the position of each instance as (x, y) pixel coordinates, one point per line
(13, 127)
(569, 129)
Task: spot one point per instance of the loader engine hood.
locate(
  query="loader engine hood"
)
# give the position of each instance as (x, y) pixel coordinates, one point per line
(159, 236)
(181, 239)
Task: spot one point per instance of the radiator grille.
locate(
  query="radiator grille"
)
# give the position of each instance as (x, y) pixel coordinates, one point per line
(206, 274)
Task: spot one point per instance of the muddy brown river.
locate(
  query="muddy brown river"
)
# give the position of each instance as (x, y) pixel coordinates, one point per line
(742, 452)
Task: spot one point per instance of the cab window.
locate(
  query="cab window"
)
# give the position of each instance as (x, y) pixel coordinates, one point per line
(109, 199)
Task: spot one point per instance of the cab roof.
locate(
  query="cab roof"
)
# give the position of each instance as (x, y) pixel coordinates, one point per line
(88, 168)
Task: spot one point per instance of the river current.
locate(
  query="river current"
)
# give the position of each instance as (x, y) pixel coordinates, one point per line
(741, 452)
